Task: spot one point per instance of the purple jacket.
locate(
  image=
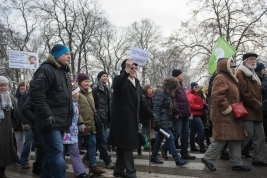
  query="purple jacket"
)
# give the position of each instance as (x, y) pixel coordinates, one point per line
(181, 103)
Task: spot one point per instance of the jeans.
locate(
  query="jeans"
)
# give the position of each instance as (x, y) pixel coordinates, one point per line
(53, 164)
(169, 144)
(196, 127)
(26, 147)
(101, 137)
(91, 149)
(181, 125)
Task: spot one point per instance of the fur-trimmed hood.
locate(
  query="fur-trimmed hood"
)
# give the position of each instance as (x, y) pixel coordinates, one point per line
(224, 67)
(248, 73)
(51, 60)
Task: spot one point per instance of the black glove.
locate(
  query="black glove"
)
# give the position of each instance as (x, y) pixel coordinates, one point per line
(47, 123)
(156, 125)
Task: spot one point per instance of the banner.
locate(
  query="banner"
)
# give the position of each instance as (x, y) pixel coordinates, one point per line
(222, 49)
(23, 60)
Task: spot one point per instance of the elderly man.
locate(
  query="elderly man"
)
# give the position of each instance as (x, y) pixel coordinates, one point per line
(250, 91)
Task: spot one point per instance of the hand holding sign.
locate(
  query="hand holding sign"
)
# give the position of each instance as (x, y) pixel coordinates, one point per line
(139, 56)
(129, 64)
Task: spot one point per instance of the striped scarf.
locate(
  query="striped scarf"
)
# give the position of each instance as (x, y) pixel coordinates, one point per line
(5, 103)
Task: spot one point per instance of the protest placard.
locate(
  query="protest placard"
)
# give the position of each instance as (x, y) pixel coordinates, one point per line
(23, 60)
(139, 56)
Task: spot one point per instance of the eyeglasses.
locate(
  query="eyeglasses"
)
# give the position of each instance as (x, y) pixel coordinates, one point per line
(196, 86)
(132, 68)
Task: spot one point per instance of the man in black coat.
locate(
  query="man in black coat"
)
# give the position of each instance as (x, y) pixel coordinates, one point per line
(102, 98)
(51, 93)
(127, 100)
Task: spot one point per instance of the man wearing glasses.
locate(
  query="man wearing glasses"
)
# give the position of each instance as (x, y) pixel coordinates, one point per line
(250, 91)
(127, 101)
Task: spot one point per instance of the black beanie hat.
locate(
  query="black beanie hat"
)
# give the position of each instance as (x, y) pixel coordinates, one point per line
(259, 67)
(100, 74)
(176, 72)
(245, 56)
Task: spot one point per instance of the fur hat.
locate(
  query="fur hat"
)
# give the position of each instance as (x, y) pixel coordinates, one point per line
(20, 83)
(58, 50)
(3, 80)
(176, 72)
(193, 84)
(81, 77)
(99, 75)
(245, 56)
(75, 89)
(170, 83)
(259, 67)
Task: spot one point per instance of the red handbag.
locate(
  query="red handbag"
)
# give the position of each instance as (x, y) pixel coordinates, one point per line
(239, 110)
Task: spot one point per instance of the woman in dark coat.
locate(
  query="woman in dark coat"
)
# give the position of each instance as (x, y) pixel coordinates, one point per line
(8, 119)
(162, 107)
(144, 119)
(127, 101)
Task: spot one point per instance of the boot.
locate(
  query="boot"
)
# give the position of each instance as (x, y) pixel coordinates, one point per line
(202, 148)
(193, 146)
(35, 169)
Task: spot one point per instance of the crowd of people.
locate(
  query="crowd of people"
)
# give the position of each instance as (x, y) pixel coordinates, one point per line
(56, 115)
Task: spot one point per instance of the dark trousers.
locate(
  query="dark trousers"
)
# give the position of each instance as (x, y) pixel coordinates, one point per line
(40, 151)
(125, 160)
(2, 171)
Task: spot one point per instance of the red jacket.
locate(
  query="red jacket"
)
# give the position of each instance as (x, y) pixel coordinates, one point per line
(196, 103)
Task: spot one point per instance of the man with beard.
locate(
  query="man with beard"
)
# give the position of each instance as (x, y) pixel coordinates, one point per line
(250, 91)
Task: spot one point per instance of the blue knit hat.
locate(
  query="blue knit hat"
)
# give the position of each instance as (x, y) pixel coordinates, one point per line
(259, 67)
(58, 50)
(193, 84)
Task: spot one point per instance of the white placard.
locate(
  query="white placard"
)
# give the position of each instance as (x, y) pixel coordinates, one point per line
(23, 60)
(139, 56)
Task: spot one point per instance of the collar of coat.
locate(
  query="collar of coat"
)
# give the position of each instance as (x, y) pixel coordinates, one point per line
(57, 64)
(89, 90)
(248, 73)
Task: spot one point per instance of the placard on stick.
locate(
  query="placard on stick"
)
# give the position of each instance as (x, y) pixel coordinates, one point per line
(139, 56)
(23, 60)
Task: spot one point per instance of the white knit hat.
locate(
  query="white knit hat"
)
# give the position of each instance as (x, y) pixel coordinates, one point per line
(75, 89)
(3, 80)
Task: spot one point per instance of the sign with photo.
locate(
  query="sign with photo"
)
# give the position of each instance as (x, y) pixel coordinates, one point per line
(23, 60)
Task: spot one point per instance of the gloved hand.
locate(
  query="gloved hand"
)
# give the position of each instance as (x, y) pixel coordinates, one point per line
(26, 127)
(47, 123)
(81, 128)
(156, 124)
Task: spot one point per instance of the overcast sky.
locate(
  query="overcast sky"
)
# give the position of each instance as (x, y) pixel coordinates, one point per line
(166, 13)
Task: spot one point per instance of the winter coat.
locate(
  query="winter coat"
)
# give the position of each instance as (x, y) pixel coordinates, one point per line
(196, 103)
(20, 101)
(27, 112)
(264, 97)
(181, 103)
(51, 93)
(224, 93)
(8, 155)
(102, 98)
(71, 135)
(162, 107)
(86, 115)
(143, 118)
(250, 91)
(127, 101)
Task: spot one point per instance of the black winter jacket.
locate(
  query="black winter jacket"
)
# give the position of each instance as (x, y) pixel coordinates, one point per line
(27, 112)
(144, 119)
(51, 93)
(162, 107)
(102, 98)
(20, 101)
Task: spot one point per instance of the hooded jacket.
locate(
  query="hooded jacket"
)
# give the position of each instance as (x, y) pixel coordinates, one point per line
(250, 91)
(196, 103)
(51, 93)
(224, 93)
